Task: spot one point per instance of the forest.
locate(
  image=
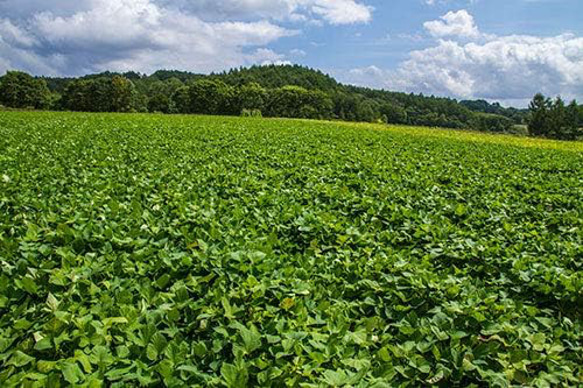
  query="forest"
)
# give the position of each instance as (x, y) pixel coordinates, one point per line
(290, 91)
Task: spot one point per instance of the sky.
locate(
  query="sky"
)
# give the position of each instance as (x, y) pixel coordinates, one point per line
(499, 50)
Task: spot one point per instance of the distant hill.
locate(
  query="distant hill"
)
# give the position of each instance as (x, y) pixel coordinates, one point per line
(274, 76)
(169, 90)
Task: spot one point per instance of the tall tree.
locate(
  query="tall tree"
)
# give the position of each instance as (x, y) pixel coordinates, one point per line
(116, 94)
(122, 94)
(572, 122)
(539, 123)
(295, 101)
(21, 90)
(77, 96)
(394, 114)
(557, 119)
(181, 99)
(492, 122)
(251, 96)
(160, 103)
(208, 96)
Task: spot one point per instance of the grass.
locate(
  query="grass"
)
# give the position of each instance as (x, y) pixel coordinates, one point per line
(214, 251)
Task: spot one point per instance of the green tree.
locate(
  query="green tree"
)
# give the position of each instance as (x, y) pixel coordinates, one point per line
(345, 106)
(99, 96)
(394, 114)
(76, 96)
(367, 111)
(571, 129)
(159, 94)
(287, 101)
(21, 90)
(160, 103)
(208, 96)
(553, 119)
(122, 94)
(539, 123)
(488, 122)
(557, 119)
(295, 101)
(116, 94)
(181, 100)
(251, 97)
(322, 104)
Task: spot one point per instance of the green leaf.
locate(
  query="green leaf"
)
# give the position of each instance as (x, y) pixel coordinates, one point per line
(287, 303)
(151, 352)
(233, 376)
(251, 338)
(84, 360)
(166, 369)
(335, 378)
(111, 321)
(163, 281)
(29, 285)
(20, 359)
(101, 357)
(43, 344)
(384, 354)
(71, 372)
(46, 366)
(52, 303)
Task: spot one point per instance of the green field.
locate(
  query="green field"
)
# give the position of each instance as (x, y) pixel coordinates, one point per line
(212, 251)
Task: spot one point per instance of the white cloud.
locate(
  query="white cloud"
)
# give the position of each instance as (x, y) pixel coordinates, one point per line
(447, 2)
(474, 65)
(13, 35)
(297, 53)
(131, 34)
(331, 11)
(64, 37)
(459, 23)
(342, 11)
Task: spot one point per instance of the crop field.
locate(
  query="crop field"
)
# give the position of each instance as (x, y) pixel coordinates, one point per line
(150, 250)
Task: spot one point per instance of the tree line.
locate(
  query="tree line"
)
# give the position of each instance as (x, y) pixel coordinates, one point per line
(553, 119)
(274, 91)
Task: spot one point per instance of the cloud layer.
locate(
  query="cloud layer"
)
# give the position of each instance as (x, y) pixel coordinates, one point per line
(465, 63)
(61, 37)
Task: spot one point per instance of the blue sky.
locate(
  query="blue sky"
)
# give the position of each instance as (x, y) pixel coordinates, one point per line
(386, 39)
(493, 49)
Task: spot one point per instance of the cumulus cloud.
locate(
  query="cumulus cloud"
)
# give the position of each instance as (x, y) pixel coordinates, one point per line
(331, 11)
(64, 37)
(464, 63)
(341, 11)
(448, 2)
(459, 23)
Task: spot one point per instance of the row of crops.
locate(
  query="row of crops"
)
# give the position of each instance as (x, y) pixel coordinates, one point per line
(141, 250)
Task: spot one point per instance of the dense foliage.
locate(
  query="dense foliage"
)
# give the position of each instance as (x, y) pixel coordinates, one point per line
(516, 115)
(100, 95)
(277, 91)
(553, 119)
(491, 122)
(199, 251)
(21, 90)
